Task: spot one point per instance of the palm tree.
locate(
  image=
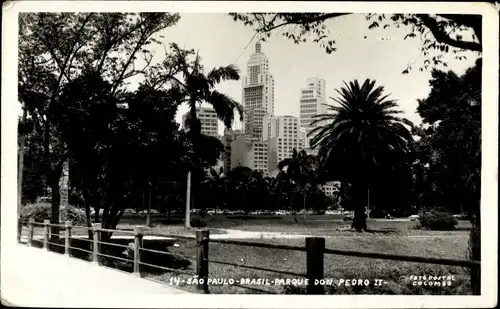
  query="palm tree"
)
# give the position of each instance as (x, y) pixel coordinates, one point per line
(359, 139)
(300, 170)
(197, 87)
(214, 189)
(276, 187)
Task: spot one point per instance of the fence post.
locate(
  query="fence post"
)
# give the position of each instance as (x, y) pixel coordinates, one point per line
(19, 230)
(476, 280)
(96, 242)
(67, 237)
(30, 231)
(315, 247)
(138, 235)
(46, 234)
(202, 239)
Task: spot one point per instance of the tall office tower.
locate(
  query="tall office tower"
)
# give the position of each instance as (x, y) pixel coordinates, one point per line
(229, 137)
(257, 93)
(208, 119)
(282, 134)
(311, 103)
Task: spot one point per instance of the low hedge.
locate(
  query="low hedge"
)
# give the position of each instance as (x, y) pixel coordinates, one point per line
(436, 220)
(42, 211)
(198, 222)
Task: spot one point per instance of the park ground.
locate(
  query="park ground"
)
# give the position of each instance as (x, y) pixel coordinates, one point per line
(398, 236)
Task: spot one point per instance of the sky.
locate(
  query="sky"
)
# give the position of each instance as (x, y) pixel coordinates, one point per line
(382, 56)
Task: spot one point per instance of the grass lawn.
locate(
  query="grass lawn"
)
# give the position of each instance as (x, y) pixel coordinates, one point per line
(327, 225)
(396, 274)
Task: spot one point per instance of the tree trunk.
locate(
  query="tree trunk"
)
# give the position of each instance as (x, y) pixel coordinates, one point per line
(148, 214)
(87, 203)
(358, 198)
(359, 222)
(22, 141)
(55, 203)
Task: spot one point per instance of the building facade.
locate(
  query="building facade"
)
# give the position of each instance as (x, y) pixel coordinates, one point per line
(282, 134)
(331, 188)
(208, 119)
(249, 151)
(257, 93)
(311, 103)
(229, 137)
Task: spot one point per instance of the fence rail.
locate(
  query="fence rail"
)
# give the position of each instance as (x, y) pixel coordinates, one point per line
(314, 248)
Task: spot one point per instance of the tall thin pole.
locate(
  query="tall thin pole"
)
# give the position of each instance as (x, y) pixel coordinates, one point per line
(368, 210)
(187, 222)
(148, 216)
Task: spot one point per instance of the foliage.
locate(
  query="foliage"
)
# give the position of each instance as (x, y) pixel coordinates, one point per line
(362, 140)
(57, 48)
(42, 211)
(448, 166)
(196, 88)
(244, 189)
(198, 222)
(99, 132)
(34, 180)
(439, 34)
(436, 220)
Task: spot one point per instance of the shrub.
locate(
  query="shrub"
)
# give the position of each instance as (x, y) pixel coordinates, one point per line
(438, 221)
(198, 222)
(42, 211)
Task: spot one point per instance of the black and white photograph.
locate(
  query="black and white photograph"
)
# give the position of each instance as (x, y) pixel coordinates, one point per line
(249, 154)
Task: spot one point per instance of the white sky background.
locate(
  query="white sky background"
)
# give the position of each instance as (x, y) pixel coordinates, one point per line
(220, 41)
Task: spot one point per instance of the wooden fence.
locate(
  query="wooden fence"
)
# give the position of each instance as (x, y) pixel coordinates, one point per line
(314, 248)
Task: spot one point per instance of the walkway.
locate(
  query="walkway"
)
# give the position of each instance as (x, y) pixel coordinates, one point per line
(38, 278)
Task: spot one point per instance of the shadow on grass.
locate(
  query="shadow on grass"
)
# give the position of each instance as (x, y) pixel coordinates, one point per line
(383, 232)
(253, 217)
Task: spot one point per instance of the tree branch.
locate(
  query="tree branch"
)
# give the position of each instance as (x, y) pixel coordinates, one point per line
(301, 22)
(115, 41)
(143, 38)
(471, 21)
(441, 36)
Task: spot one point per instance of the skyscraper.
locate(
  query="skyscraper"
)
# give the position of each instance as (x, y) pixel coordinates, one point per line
(311, 103)
(257, 93)
(249, 149)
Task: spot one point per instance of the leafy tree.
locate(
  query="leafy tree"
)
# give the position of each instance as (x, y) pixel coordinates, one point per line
(361, 140)
(438, 33)
(120, 151)
(54, 49)
(451, 145)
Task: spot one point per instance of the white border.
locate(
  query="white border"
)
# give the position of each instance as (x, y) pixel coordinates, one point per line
(489, 151)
